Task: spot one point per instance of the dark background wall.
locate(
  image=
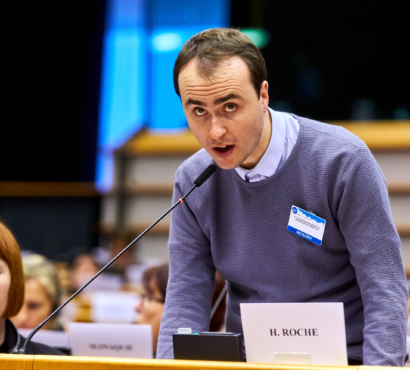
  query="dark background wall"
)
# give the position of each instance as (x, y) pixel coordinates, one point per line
(50, 120)
(59, 228)
(334, 60)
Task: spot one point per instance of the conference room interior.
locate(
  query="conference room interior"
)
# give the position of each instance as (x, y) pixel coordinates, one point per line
(93, 133)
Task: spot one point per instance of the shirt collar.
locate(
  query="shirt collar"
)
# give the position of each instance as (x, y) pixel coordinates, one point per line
(270, 160)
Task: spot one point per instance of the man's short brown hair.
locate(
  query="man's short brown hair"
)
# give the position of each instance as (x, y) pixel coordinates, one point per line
(10, 253)
(212, 46)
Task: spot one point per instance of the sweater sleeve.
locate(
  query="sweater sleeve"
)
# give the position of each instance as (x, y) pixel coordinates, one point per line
(365, 219)
(191, 276)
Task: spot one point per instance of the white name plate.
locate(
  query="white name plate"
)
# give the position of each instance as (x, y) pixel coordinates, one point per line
(272, 330)
(293, 358)
(111, 340)
(113, 307)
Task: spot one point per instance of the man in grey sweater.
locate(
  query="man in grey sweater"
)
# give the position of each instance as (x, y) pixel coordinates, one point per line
(237, 221)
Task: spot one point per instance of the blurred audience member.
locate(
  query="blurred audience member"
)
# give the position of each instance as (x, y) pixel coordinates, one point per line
(118, 240)
(12, 297)
(150, 307)
(84, 268)
(42, 296)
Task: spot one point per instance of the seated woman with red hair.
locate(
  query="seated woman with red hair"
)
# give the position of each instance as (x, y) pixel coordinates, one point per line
(12, 297)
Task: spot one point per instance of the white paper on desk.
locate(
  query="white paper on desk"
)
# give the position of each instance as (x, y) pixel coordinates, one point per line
(113, 307)
(271, 328)
(52, 338)
(111, 340)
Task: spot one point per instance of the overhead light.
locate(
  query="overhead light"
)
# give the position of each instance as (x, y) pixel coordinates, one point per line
(259, 36)
(167, 41)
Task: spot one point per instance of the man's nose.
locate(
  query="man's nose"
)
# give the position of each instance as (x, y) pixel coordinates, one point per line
(217, 129)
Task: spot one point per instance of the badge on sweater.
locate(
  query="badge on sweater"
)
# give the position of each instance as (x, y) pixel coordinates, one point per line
(306, 225)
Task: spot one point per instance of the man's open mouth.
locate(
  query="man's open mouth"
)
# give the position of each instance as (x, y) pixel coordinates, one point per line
(223, 149)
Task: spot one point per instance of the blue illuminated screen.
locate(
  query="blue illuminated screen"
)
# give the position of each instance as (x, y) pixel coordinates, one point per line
(141, 42)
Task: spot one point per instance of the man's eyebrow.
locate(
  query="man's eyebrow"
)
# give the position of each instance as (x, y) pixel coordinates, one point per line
(221, 100)
(195, 102)
(226, 98)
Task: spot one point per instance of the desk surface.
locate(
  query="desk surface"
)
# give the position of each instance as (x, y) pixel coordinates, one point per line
(29, 362)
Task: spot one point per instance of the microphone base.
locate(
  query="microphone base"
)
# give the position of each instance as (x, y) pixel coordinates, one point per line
(208, 346)
(18, 351)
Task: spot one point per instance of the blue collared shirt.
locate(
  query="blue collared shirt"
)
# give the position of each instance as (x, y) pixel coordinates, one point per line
(285, 131)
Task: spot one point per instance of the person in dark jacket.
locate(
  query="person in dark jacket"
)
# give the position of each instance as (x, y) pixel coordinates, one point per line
(12, 296)
(13, 341)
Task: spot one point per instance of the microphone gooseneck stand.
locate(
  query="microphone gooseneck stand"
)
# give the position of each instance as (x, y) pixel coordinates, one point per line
(197, 183)
(219, 300)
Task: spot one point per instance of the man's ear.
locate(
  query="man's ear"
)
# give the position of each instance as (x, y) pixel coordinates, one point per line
(264, 96)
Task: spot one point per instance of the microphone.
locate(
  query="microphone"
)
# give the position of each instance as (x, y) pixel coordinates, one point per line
(205, 175)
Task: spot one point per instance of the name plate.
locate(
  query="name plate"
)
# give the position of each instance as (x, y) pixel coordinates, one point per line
(279, 332)
(111, 340)
(113, 307)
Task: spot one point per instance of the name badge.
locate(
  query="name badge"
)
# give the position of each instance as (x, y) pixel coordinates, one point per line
(306, 225)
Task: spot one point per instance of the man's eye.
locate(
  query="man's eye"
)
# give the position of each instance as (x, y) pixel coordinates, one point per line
(200, 111)
(230, 107)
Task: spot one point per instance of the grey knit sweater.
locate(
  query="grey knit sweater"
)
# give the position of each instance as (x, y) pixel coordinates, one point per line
(240, 228)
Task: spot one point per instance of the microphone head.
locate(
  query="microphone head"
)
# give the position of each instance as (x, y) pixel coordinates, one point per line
(205, 175)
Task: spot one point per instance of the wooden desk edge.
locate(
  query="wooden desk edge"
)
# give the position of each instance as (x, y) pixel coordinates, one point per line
(39, 362)
(16, 362)
(87, 362)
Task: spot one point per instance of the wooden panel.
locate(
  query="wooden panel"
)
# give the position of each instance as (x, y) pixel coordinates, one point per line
(160, 229)
(16, 362)
(28, 362)
(83, 314)
(154, 189)
(149, 143)
(403, 230)
(398, 187)
(378, 135)
(145, 189)
(47, 189)
(395, 187)
(381, 135)
(96, 363)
